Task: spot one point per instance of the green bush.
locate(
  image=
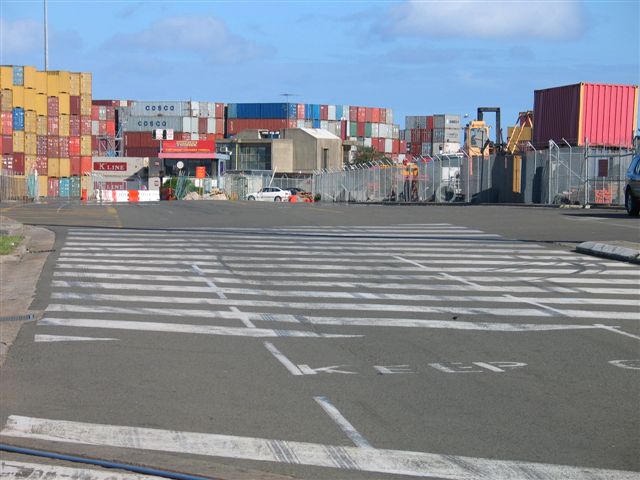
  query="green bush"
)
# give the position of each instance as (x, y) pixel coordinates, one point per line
(317, 197)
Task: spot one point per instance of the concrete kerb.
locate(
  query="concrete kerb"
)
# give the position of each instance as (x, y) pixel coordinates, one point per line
(625, 251)
(19, 274)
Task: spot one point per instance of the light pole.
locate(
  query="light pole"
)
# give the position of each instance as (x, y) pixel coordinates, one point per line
(570, 156)
(46, 39)
(535, 162)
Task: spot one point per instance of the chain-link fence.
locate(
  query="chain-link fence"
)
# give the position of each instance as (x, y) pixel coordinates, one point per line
(575, 175)
(25, 188)
(238, 185)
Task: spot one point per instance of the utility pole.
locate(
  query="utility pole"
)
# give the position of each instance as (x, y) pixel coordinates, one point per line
(46, 39)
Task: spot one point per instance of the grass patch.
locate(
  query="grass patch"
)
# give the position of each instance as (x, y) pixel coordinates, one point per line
(8, 243)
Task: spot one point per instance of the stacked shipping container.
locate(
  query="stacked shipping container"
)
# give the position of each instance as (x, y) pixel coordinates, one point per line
(41, 117)
(373, 127)
(188, 120)
(428, 135)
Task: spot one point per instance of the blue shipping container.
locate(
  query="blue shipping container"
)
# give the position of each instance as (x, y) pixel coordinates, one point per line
(232, 110)
(65, 187)
(75, 187)
(316, 123)
(316, 113)
(18, 76)
(18, 118)
(338, 112)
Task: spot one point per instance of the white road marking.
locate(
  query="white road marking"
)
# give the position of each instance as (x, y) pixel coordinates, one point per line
(378, 307)
(10, 469)
(340, 321)
(626, 364)
(344, 424)
(617, 330)
(463, 297)
(211, 284)
(398, 462)
(244, 318)
(61, 338)
(338, 284)
(288, 364)
(183, 328)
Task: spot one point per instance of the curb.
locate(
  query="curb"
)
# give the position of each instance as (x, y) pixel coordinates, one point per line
(607, 250)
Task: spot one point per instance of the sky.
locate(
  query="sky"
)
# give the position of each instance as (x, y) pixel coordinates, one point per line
(416, 57)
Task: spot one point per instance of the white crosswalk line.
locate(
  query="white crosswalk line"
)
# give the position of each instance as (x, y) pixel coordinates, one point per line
(386, 461)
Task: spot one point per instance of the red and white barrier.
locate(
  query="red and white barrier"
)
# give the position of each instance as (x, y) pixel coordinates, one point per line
(127, 195)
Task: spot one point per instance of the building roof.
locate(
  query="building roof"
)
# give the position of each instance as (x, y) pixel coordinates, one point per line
(320, 133)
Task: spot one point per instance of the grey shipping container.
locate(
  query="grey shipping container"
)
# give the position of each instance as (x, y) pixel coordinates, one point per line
(445, 135)
(179, 109)
(133, 123)
(415, 121)
(446, 121)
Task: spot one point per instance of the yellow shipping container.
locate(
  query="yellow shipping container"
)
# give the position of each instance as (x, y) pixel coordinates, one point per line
(18, 96)
(41, 104)
(53, 167)
(42, 185)
(30, 121)
(85, 146)
(30, 147)
(30, 77)
(6, 77)
(29, 99)
(29, 164)
(18, 141)
(74, 84)
(53, 84)
(63, 126)
(41, 125)
(41, 83)
(85, 84)
(6, 100)
(85, 105)
(65, 167)
(63, 102)
(64, 82)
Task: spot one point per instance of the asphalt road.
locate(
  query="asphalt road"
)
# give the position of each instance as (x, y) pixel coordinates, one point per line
(242, 340)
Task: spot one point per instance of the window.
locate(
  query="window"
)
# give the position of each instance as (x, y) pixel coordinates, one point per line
(603, 167)
(325, 158)
(254, 157)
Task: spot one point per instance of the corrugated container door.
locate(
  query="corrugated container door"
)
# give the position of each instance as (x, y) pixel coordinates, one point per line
(18, 76)
(339, 112)
(65, 168)
(609, 114)
(557, 113)
(388, 145)
(53, 188)
(6, 123)
(6, 100)
(331, 112)
(300, 111)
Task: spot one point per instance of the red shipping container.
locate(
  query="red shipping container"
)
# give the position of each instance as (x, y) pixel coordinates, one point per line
(430, 122)
(383, 115)
(7, 162)
(237, 125)
(220, 126)
(53, 187)
(74, 147)
(74, 105)
(300, 111)
(6, 144)
(95, 112)
(360, 129)
(111, 113)
(53, 126)
(95, 145)
(85, 125)
(368, 114)
(395, 147)
(42, 164)
(53, 106)
(53, 146)
(85, 165)
(131, 139)
(75, 166)
(219, 110)
(403, 146)
(586, 113)
(375, 115)
(111, 128)
(202, 125)
(74, 126)
(6, 123)
(63, 147)
(362, 115)
(18, 163)
(41, 145)
(353, 114)
(324, 112)
(142, 151)
(102, 127)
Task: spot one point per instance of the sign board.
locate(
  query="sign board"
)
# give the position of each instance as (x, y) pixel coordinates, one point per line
(109, 166)
(201, 172)
(189, 146)
(163, 134)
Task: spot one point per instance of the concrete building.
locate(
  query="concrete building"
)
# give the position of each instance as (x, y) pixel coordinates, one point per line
(293, 150)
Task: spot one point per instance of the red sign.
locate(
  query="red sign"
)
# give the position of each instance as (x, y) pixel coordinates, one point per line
(110, 166)
(201, 172)
(189, 146)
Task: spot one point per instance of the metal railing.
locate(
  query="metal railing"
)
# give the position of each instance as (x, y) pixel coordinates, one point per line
(23, 188)
(238, 185)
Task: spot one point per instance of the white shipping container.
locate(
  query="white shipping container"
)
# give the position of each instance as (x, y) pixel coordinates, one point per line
(324, 125)
(147, 123)
(375, 130)
(384, 130)
(332, 112)
(301, 124)
(189, 125)
(178, 109)
(345, 112)
(195, 136)
(95, 127)
(211, 125)
(388, 145)
(426, 149)
(395, 132)
(389, 118)
(367, 142)
(450, 148)
(194, 109)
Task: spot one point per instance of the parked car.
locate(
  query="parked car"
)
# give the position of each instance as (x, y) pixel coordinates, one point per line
(632, 188)
(297, 191)
(270, 194)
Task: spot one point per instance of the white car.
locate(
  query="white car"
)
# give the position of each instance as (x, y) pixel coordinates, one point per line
(270, 194)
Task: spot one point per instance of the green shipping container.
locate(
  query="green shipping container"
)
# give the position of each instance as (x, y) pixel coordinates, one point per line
(353, 129)
(75, 186)
(367, 130)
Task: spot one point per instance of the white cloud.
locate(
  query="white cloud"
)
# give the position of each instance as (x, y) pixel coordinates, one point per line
(206, 36)
(20, 36)
(553, 20)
